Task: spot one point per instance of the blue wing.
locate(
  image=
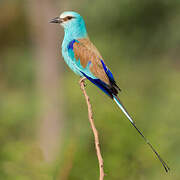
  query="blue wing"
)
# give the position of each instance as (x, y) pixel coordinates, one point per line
(90, 64)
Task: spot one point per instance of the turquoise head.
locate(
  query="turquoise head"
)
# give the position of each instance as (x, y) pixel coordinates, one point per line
(73, 24)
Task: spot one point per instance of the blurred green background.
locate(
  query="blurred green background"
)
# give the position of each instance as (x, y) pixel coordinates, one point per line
(44, 129)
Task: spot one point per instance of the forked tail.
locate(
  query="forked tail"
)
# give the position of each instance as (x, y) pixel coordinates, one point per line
(118, 102)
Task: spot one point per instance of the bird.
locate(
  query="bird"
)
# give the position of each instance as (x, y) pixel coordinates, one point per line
(85, 60)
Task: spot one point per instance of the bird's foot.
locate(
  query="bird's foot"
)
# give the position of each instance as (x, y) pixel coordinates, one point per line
(82, 80)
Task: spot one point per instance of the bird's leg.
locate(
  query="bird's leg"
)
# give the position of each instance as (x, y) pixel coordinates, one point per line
(82, 80)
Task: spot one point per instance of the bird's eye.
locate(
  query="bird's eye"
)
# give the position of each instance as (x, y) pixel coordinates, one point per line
(69, 17)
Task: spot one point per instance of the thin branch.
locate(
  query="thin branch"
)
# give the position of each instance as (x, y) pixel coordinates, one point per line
(95, 132)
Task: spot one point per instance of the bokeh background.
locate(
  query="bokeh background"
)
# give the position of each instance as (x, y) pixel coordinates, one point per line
(44, 129)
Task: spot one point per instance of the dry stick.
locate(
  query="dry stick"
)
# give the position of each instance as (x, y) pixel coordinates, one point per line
(95, 132)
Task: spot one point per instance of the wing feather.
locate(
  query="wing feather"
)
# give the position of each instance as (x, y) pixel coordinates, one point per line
(86, 52)
(91, 64)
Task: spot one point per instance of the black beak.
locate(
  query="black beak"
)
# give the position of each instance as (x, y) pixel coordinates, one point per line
(56, 20)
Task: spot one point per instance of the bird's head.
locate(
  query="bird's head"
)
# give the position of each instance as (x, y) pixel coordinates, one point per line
(72, 22)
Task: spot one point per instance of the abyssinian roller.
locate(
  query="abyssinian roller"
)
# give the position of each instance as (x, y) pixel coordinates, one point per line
(84, 59)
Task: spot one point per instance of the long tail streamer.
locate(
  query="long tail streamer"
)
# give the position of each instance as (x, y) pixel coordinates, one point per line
(119, 103)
